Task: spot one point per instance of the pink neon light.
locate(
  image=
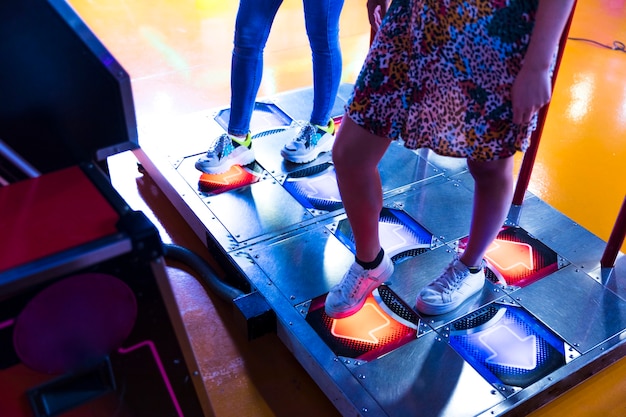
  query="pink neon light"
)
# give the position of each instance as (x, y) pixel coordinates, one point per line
(157, 359)
(7, 323)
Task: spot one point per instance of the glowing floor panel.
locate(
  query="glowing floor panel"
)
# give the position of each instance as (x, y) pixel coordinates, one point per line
(508, 346)
(372, 332)
(517, 259)
(544, 320)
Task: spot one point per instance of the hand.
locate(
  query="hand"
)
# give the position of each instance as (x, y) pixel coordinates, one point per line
(531, 91)
(375, 11)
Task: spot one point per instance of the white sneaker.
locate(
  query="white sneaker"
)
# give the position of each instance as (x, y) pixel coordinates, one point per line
(347, 297)
(309, 143)
(455, 285)
(225, 152)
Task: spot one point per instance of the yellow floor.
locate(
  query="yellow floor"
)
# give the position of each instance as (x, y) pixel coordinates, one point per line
(178, 55)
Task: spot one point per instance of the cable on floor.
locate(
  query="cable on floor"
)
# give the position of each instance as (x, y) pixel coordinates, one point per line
(203, 269)
(617, 45)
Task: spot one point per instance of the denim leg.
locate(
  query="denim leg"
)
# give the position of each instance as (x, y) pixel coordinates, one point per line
(252, 28)
(322, 27)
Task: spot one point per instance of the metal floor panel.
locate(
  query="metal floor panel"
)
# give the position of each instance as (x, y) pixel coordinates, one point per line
(585, 313)
(512, 347)
(413, 381)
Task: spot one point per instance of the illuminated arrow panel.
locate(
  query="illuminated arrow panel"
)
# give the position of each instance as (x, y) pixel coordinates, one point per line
(368, 334)
(237, 176)
(400, 235)
(507, 345)
(516, 258)
(315, 188)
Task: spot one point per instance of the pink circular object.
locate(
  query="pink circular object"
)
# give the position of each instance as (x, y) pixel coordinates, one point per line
(74, 323)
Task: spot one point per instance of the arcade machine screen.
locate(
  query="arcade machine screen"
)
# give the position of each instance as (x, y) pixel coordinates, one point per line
(65, 99)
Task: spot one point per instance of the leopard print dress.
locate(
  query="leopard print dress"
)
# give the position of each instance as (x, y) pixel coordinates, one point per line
(439, 74)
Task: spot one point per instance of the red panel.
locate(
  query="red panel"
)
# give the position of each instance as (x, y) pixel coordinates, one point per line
(235, 177)
(49, 214)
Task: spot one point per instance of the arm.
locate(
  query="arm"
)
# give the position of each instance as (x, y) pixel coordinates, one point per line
(532, 88)
(376, 10)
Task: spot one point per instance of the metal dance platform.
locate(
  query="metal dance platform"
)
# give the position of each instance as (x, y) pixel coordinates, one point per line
(547, 319)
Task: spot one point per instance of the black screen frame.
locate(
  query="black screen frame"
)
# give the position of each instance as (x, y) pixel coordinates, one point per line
(64, 98)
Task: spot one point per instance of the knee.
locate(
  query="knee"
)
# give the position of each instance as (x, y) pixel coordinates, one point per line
(251, 37)
(340, 152)
(346, 153)
(491, 171)
(355, 150)
(323, 42)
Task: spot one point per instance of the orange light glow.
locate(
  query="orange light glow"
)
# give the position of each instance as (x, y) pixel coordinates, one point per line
(370, 325)
(514, 258)
(363, 326)
(235, 177)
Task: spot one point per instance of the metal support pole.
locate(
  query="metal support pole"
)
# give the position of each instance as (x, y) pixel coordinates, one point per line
(615, 240)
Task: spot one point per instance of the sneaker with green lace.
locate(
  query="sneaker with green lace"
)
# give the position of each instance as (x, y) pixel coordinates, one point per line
(310, 141)
(226, 151)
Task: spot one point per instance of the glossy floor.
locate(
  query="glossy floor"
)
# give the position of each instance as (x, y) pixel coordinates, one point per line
(178, 56)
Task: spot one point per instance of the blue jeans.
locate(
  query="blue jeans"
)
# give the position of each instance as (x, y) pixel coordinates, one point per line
(252, 28)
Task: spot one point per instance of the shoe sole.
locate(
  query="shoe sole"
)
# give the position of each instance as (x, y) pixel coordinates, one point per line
(242, 159)
(308, 157)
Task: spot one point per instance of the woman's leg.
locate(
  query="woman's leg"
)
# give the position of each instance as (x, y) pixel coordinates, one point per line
(322, 26)
(356, 154)
(252, 28)
(493, 193)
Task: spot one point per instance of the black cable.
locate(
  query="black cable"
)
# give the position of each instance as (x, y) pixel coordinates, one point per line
(617, 45)
(203, 269)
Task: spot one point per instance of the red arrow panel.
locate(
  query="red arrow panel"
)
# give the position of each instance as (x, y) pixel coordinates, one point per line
(370, 333)
(518, 259)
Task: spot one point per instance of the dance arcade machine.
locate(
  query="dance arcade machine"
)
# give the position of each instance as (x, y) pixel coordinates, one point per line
(88, 322)
(545, 321)
(548, 317)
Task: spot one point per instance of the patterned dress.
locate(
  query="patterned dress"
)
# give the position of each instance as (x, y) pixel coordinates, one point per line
(439, 75)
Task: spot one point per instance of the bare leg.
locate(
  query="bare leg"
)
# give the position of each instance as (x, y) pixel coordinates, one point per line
(356, 154)
(493, 193)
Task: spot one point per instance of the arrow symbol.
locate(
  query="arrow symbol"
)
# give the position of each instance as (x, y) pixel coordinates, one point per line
(508, 349)
(224, 179)
(323, 186)
(392, 234)
(506, 255)
(361, 326)
(236, 174)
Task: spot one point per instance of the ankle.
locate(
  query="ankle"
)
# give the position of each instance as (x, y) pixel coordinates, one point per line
(372, 264)
(239, 140)
(474, 269)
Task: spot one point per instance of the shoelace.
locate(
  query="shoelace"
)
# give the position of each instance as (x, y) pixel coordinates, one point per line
(305, 134)
(449, 283)
(351, 282)
(218, 144)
